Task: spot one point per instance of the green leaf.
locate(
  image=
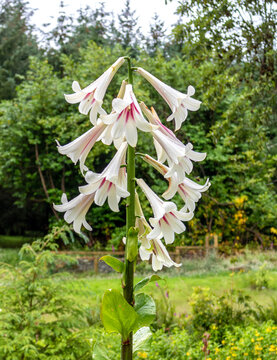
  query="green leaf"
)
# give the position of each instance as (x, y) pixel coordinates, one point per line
(99, 353)
(114, 263)
(145, 308)
(117, 315)
(140, 338)
(132, 244)
(146, 281)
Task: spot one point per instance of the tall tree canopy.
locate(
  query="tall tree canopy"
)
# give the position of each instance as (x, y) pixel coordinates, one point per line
(17, 43)
(224, 49)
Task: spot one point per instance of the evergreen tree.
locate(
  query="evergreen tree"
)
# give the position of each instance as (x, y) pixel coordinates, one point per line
(92, 26)
(62, 32)
(156, 37)
(60, 35)
(17, 43)
(129, 31)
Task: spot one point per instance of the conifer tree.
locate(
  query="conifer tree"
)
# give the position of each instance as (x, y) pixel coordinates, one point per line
(156, 37)
(128, 28)
(17, 43)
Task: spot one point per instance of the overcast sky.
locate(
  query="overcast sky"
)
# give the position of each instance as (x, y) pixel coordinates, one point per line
(145, 10)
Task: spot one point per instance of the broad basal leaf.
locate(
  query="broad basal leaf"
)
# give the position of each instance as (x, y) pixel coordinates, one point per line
(145, 308)
(116, 314)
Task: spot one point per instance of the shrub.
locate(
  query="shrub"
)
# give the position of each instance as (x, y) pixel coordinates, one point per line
(165, 310)
(259, 279)
(251, 343)
(210, 312)
(37, 320)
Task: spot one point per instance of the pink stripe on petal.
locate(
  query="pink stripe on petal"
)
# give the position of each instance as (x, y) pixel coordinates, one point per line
(90, 140)
(87, 95)
(136, 109)
(120, 114)
(127, 115)
(102, 182)
(171, 213)
(165, 219)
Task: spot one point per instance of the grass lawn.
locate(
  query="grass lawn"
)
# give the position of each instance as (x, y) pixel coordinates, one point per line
(210, 272)
(88, 290)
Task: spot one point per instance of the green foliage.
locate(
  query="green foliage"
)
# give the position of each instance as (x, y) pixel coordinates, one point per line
(113, 262)
(120, 317)
(260, 279)
(116, 314)
(37, 320)
(166, 311)
(140, 338)
(145, 308)
(62, 233)
(180, 346)
(230, 60)
(17, 44)
(146, 281)
(266, 313)
(250, 342)
(211, 312)
(13, 241)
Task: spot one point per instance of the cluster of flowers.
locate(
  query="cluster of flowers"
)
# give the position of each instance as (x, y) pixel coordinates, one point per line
(120, 128)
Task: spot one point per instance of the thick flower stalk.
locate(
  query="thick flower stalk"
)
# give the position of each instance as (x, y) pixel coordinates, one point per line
(117, 180)
(178, 102)
(91, 97)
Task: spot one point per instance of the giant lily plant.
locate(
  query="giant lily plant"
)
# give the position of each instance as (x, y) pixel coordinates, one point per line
(131, 314)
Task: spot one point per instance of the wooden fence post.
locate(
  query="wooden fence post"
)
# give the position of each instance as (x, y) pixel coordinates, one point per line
(95, 264)
(178, 257)
(215, 243)
(207, 244)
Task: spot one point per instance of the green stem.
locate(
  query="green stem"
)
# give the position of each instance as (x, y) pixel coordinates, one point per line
(128, 281)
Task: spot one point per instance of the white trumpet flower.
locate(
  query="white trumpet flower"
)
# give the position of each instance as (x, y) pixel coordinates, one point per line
(178, 102)
(111, 183)
(167, 219)
(76, 210)
(126, 117)
(107, 137)
(78, 149)
(160, 256)
(178, 155)
(153, 118)
(170, 148)
(91, 97)
(154, 247)
(189, 190)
